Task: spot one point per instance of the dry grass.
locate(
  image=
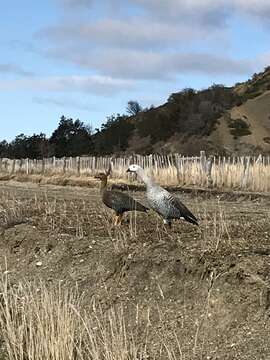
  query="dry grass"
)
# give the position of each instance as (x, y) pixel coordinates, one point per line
(40, 322)
(14, 211)
(225, 175)
(245, 173)
(37, 323)
(216, 229)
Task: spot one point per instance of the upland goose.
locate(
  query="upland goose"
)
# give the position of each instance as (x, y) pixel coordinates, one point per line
(116, 200)
(161, 201)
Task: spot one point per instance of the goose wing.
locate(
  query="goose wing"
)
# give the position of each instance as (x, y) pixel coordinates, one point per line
(121, 202)
(179, 210)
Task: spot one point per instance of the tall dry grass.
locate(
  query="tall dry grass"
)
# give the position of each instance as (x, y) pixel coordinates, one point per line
(37, 322)
(215, 229)
(40, 322)
(246, 173)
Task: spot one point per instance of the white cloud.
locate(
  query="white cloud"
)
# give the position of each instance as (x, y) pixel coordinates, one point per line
(134, 33)
(156, 44)
(97, 85)
(196, 13)
(160, 40)
(143, 65)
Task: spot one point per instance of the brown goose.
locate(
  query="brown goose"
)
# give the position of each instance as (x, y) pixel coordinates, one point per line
(116, 200)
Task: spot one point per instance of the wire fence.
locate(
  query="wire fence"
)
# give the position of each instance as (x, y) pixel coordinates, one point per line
(245, 172)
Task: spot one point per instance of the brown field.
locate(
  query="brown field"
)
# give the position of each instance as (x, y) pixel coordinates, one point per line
(75, 287)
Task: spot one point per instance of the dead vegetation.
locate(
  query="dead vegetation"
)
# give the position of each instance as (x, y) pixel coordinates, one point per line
(223, 173)
(75, 287)
(40, 322)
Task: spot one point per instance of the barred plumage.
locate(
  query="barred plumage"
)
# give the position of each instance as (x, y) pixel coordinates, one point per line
(163, 202)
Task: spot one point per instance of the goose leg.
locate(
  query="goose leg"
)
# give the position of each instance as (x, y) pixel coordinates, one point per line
(118, 219)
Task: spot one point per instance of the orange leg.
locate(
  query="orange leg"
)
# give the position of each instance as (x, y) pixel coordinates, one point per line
(118, 219)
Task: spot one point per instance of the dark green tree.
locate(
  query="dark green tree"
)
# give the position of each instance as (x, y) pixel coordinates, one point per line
(4, 149)
(71, 138)
(33, 147)
(113, 135)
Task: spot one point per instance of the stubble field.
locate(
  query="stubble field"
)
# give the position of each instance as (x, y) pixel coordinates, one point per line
(140, 291)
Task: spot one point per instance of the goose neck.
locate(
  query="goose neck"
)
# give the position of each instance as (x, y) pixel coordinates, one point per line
(145, 178)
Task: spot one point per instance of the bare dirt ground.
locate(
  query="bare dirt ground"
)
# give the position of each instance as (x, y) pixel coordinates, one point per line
(209, 286)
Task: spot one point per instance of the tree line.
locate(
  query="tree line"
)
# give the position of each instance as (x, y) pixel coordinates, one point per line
(140, 130)
(73, 138)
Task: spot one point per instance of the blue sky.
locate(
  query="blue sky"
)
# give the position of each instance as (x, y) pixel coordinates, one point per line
(87, 58)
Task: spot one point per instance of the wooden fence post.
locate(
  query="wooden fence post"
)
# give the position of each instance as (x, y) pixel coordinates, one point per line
(43, 166)
(64, 165)
(6, 165)
(78, 163)
(203, 159)
(70, 164)
(176, 164)
(13, 166)
(245, 175)
(27, 166)
(54, 164)
(205, 170)
(20, 165)
(259, 159)
(208, 170)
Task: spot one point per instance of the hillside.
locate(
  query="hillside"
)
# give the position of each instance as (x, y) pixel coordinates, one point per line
(246, 127)
(220, 120)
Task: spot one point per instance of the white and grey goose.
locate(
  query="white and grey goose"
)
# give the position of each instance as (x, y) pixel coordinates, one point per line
(161, 201)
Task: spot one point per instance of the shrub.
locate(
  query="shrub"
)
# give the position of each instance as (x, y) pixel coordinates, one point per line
(266, 139)
(239, 128)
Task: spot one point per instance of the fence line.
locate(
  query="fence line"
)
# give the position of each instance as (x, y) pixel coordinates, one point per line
(246, 172)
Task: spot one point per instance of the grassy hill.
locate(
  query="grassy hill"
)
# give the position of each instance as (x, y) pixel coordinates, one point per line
(220, 120)
(246, 127)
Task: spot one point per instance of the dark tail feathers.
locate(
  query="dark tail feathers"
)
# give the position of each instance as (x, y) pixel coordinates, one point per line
(191, 219)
